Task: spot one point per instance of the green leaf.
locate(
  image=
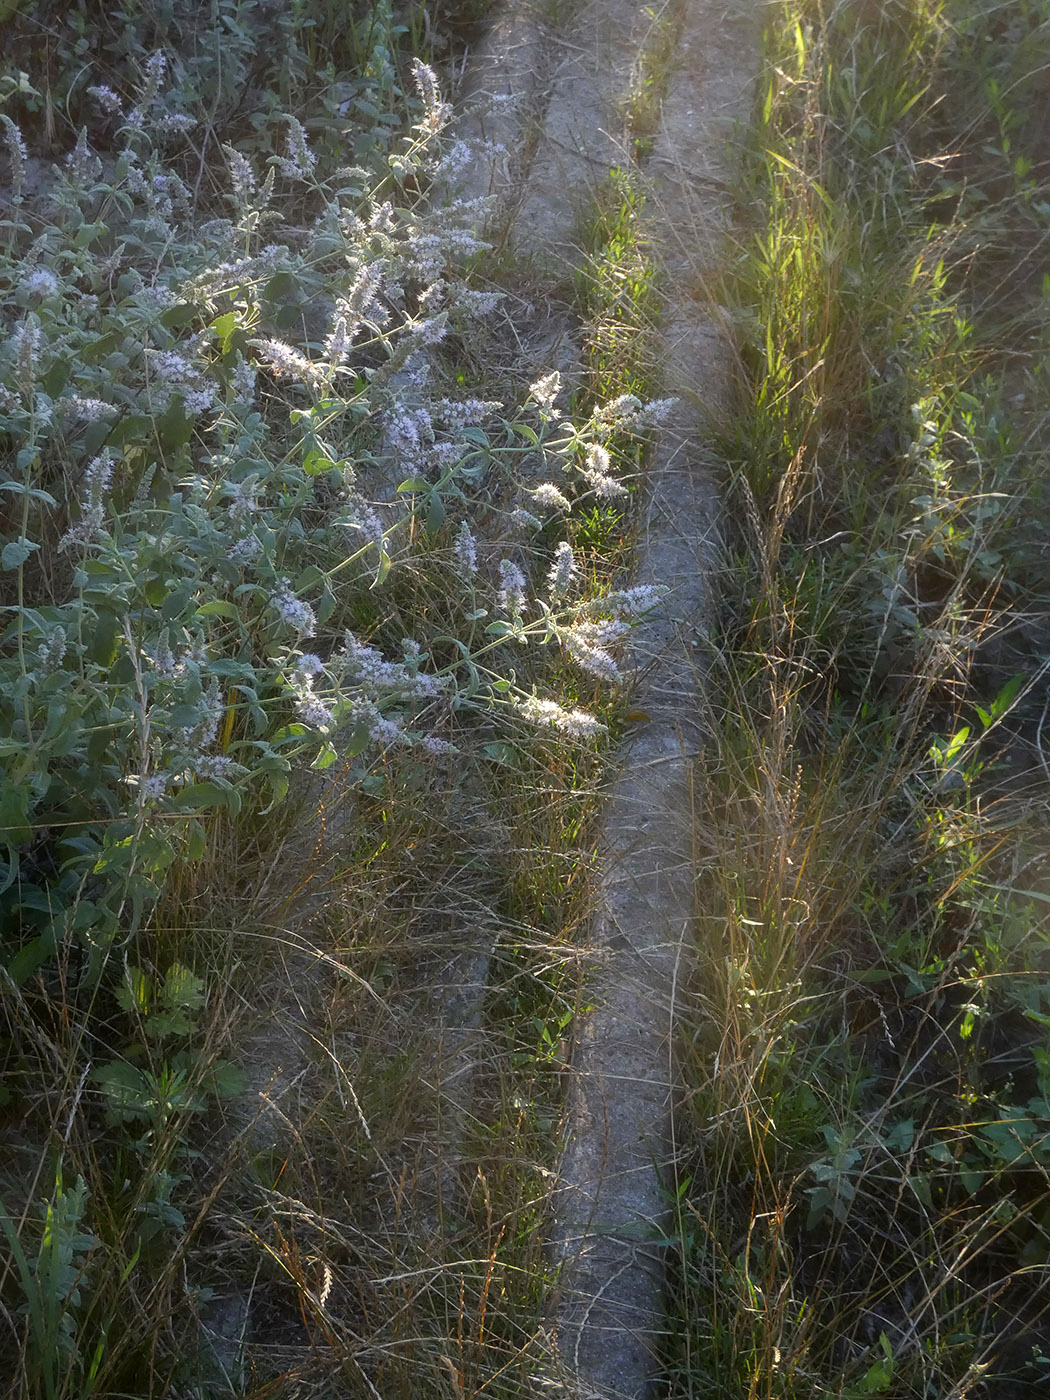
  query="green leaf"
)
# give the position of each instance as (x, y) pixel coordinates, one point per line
(15, 828)
(174, 429)
(136, 991)
(183, 989)
(181, 314)
(196, 841)
(326, 607)
(57, 377)
(1002, 702)
(218, 607)
(18, 488)
(125, 1088)
(310, 577)
(224, 327)
(98, 349)
(504, 754)
(225, 1080)
(87, 233)
(16, 552)
(175, 603)
(280, 285)
(156, 591)
(32, 956)
(383, 568)
(183, 717)
(414, 483)
(200, 796)
(325, 758)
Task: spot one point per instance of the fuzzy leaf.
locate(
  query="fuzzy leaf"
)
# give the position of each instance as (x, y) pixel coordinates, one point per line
(16, 552)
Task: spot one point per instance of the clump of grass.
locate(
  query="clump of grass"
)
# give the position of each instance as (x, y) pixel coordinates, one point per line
(863, 1199)
(652, 75)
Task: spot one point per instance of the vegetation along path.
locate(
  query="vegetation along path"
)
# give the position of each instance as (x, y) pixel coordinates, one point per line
(614, 105)
(524, 637)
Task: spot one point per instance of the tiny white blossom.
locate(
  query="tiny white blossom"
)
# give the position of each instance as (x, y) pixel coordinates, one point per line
(385, 731)
(86, 410)
(216, 765)
(175, 123)
(242, 176)
(300, 160)
(435, 745)
(594, 660)
(544, 391)
(577, 724)
(562, 571)
(283, 361)
(308, 665)
(292, 610)
(314, 712)
(245, 551)
(524, 519)
(551, 498)
(618, 412)
(16, 150)
(467, 413)
(465, 552)
(435, 112)
(242, 382)
(629, 602)
(511, 595)
(107, 99)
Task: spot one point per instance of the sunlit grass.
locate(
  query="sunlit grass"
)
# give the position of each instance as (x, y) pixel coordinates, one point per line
(864, 1180)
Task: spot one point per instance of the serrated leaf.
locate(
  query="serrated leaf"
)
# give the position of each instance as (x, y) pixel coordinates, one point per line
(226, 1080)
(325, 758)
(183, 990)
(135, 991)
(310, 577)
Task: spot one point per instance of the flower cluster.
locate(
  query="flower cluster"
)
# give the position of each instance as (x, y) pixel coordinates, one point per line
(562, 571)
(436, 113)
(95, 485)
(292, 611)
(576, 724)
(228, 491)
(511, 596)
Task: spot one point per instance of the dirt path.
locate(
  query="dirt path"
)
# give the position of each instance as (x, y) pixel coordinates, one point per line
(570, 78)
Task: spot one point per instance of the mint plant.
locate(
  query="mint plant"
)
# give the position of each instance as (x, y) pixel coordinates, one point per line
(225, 438)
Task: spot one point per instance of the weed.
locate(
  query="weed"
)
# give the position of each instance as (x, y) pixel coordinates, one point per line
(867, 1189)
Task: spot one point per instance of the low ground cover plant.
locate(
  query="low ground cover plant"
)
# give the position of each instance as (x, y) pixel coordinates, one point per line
(864, 1208)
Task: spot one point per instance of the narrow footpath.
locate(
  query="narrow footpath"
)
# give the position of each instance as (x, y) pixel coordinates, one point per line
(568, 81)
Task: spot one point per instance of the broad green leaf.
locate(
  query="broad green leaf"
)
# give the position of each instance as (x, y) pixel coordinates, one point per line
(181, 314)
(15, 828)
(224, 327)
(16, 552)
(218, 607)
